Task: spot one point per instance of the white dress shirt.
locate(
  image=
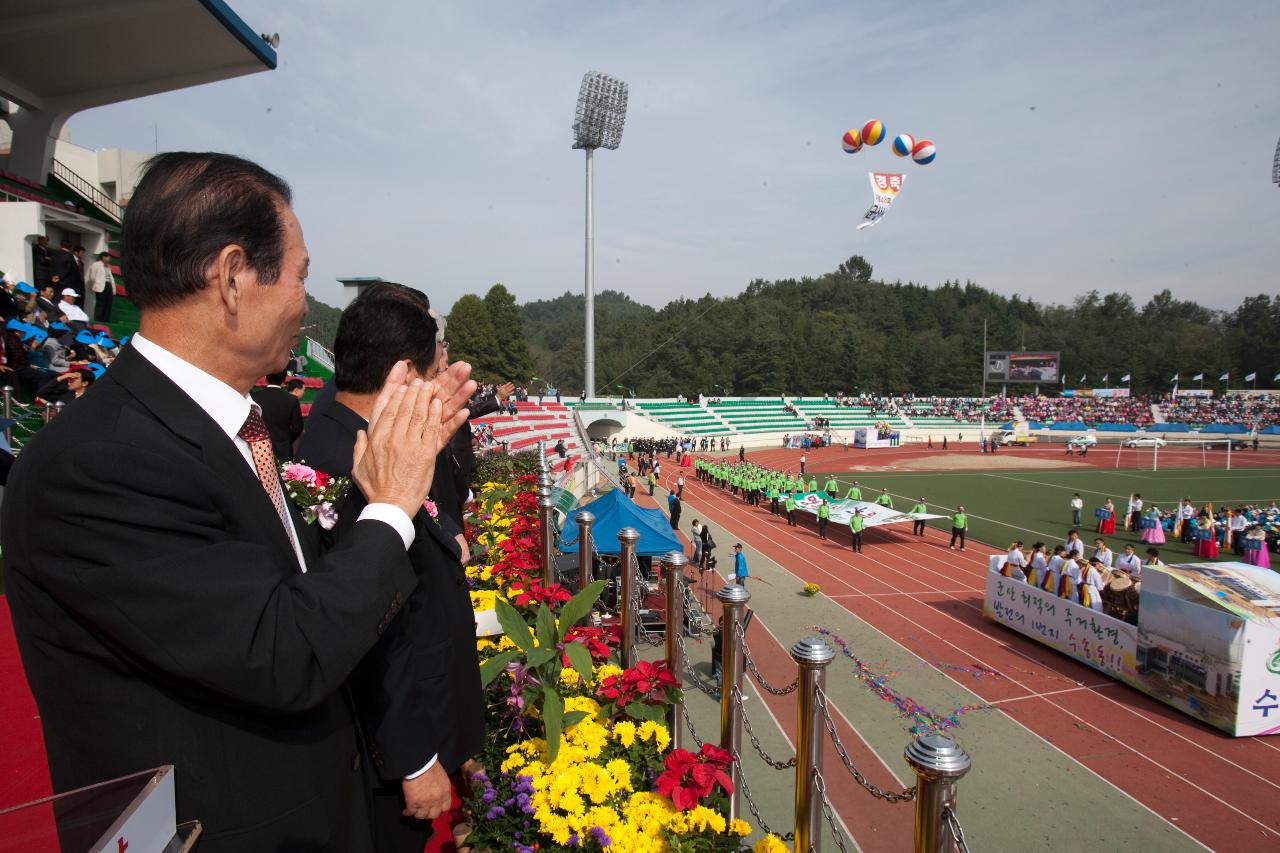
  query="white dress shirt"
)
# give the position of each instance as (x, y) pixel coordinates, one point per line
(73, 312)
(228, 408)
(1131, 564)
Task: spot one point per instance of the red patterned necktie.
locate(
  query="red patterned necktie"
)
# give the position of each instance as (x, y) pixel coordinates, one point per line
(255, 434)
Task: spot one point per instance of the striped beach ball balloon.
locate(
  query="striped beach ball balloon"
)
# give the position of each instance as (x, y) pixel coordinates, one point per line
(872, 132)
(924, 152)
(852, 142)
(902, 144)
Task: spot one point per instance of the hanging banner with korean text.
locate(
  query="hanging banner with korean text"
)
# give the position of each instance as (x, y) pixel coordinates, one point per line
(884, 189)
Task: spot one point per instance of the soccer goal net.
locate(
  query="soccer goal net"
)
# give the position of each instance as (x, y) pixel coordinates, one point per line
(1154, 454)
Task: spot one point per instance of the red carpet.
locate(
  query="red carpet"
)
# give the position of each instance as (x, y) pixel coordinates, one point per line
(24, 775)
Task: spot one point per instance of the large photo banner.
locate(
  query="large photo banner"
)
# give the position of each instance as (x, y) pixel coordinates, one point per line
(884, 189)
(842, 510)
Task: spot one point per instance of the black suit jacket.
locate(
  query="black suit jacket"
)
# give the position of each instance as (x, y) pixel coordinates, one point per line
(162, 618)
(68, 271)
(418, 692)
(282, 414)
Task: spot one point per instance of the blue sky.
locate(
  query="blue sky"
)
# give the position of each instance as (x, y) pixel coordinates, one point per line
(1088, 145)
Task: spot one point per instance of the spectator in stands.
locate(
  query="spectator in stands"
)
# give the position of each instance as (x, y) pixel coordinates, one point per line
(68, 268)
(55, 355)
(66, 387)
(282, 414)
(47, 305)
(9, 307)
(101, 288)
(296, 387)
(17, 359)
(76, 318)
(561, 451)
(42, 262)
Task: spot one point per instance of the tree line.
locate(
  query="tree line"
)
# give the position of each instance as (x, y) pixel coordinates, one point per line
(846, 331)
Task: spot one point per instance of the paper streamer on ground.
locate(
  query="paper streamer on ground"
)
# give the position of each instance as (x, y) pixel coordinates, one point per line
(884, 189)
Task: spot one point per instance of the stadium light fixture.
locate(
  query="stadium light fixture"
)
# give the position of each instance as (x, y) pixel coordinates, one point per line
(598, 123)
(1275, 167)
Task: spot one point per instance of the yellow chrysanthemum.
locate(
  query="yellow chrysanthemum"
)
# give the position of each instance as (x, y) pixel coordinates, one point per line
(624, 732)
(770, 844)
(739, 827)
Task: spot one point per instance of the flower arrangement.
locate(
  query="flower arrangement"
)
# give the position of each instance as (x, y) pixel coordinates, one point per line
(578, 753)
(315, 492)
(812, 589)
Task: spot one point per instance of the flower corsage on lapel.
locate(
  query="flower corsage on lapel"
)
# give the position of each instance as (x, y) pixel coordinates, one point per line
(315, 492)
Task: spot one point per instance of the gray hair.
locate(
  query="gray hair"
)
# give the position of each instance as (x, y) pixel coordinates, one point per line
(441, 322)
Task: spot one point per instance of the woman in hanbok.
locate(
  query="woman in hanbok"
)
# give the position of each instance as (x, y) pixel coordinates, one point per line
(1015, 563)
(1093, 578)
(1069, 580)
(1206, 542)
(1107, 522)
(1255, 548)
(1152, 529)
(1036, 565)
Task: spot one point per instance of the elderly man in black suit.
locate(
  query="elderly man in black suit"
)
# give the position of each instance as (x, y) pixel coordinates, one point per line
(418, 692)
(171, 605)
(282, 413)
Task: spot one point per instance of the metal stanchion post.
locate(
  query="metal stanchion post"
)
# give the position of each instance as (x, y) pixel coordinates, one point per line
(8, 413)
(586, 548)
(627, 539)
(939, 763)
(674, 564)
(734, 600)
(547, 538)
(812, 655)
(48, 412)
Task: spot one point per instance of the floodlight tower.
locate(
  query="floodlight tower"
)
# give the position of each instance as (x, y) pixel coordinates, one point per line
(1275, 167)
(602, 112)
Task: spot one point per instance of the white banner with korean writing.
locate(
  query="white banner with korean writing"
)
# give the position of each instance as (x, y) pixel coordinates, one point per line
(884, 189)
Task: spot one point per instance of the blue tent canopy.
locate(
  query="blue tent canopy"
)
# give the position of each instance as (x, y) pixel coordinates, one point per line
(1072, 426)
(1271, 430)
(1116, 428)
(613, 511)
(1171, 428)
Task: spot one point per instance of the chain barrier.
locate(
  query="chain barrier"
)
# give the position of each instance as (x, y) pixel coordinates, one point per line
(957, 831)
(689, 672)
(688, 722)
(755, 671)
(821, 785)
(755, 741)
(905, 796)
(751, 803)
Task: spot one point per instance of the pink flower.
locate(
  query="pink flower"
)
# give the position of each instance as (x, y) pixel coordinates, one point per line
(296, 471)
(430, 506)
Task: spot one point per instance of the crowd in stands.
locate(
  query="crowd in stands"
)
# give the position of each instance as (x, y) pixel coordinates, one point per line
(1252, 410)
(1090, 410)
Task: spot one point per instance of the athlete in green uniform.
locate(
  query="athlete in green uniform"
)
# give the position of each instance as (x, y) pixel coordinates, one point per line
(884, 500)
(959, 524)
(824, 515)
(856, 524)
(791, 509)
(917, 525)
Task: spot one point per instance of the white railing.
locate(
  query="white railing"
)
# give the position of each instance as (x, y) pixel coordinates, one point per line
(320, 353)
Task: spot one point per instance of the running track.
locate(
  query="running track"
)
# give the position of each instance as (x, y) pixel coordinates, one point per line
(1220, 790)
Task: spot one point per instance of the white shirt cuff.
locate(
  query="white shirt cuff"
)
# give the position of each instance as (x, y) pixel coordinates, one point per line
(430, 764)
(393, 515)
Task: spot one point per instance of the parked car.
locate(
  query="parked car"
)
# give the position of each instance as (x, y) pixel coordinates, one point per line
(1145, 441)
(1082, 441)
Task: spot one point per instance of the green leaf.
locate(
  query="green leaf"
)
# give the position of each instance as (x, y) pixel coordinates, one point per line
(553, 719)
(579, 606)
(513, 625)
(641, 711)
(545, 627)
(571, 718)
(579, 659)
(539, 656)
(490, 669)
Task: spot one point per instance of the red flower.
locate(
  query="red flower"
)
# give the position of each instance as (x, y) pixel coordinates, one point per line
(535, 593)
(687, 778)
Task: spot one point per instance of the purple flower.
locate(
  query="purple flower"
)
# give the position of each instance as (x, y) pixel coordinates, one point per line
(489, 795)
(495, 812)
(573, 840)
(600, 836)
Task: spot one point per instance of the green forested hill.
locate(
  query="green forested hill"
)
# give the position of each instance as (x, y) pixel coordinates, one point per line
(846, 331)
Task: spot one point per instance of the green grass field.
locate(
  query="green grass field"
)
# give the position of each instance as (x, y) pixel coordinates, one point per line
(1034, 505)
